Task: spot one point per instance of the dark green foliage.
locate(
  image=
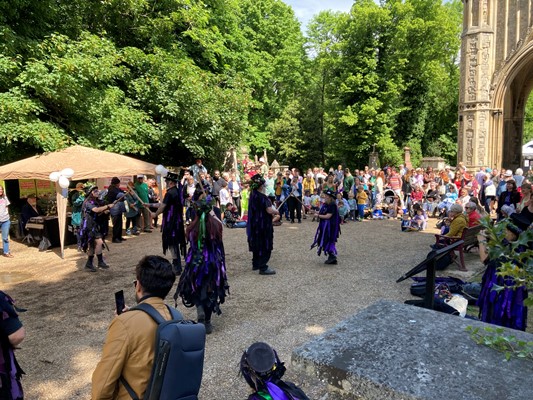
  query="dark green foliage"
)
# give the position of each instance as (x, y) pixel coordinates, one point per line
(174, 79)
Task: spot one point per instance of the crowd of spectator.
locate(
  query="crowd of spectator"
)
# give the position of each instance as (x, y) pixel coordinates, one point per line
(409, 194)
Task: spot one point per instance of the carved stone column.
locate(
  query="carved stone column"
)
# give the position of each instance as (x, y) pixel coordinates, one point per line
(477, 68)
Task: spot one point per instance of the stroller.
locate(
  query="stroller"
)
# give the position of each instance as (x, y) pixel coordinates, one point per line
(388, 197)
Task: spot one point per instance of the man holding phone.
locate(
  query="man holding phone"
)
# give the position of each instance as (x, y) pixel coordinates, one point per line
(130, 343)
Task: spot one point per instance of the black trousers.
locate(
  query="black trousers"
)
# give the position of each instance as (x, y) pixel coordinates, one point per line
(117, 226)
(259, 262)
(295, 205)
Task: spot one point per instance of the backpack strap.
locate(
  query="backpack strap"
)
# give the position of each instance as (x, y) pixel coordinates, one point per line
(156, 316)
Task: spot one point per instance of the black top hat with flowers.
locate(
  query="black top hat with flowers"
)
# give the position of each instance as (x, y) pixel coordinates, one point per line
(262, 369)
(172, 176)
(331, 193)
(257, 181)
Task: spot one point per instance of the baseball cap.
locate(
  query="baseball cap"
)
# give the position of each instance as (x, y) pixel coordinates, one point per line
(140, 176)
(508, 173)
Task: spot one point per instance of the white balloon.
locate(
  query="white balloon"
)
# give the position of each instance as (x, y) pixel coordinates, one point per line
(160, 169)
(67, 172)
(54, 176)
(64, 182)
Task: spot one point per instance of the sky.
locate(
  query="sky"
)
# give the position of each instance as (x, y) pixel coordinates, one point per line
(306, 9)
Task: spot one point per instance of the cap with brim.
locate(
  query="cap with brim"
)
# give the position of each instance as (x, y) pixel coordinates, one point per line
(508, 173)
(140, 176)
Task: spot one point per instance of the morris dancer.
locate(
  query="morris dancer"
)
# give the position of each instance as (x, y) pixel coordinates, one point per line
(173, 235)
(328, 230)
(94, 227)
(259, 228)
(204, 283)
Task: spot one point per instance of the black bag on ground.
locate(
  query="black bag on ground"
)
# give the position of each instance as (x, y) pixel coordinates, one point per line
(418, 287)
(178, 360)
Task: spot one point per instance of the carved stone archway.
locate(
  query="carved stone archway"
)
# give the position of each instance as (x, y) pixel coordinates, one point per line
(496, 80)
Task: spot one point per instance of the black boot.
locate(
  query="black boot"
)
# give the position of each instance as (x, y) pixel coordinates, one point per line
(101, 262)
(89, 265)
(200, 314)
(332, 260)
(176, 264)
(208, 326)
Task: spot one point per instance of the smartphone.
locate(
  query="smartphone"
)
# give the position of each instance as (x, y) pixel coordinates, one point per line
(119, 301)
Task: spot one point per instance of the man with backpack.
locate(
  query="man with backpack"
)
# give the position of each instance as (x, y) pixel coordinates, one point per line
(125, 369)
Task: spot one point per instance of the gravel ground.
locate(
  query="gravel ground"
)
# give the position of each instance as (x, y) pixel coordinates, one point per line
(69, 310)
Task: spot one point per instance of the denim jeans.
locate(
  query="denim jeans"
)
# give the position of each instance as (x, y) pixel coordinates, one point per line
(5, 234)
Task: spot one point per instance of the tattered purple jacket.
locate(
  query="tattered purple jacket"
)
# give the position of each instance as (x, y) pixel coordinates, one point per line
(259, 227)
(172, 225)
(328, 230)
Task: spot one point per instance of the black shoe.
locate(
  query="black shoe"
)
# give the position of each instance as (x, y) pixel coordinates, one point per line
(148, 231)
(292, 221)
(90, 267)
(299, 221)
(116, 241)
(103, 265)
(331, 261)
(208, 327)
(200, 314)
(267, 271)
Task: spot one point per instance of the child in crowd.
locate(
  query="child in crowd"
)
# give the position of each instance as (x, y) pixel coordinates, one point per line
(405, 224)
(395, 208)
(224, 196)
(231, 217)
(353, 205)
(307, 203)
(343, 206)
(419, 220)
(377, 213)
(315, 201)
(362, 199)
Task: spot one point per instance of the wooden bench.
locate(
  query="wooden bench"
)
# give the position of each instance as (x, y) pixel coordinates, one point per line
(469, 237)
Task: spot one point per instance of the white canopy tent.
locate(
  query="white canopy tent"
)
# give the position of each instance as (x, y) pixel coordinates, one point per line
(86, 162)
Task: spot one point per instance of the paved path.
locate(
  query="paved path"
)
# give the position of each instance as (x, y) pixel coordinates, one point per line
(70, 310)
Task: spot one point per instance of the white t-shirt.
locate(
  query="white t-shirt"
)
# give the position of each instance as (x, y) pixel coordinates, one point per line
(4, 213)
(224, 196)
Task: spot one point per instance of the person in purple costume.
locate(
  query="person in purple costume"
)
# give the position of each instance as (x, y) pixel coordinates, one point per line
(259, 229)
(502, 307)
(328, 230)
(204, 283)
(12, 333)
(173, 234)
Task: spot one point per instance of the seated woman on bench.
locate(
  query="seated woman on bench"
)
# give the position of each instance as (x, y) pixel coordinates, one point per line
(458, 221)
(30, 210)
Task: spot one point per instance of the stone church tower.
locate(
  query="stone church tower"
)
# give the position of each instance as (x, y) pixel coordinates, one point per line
(496, 79)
